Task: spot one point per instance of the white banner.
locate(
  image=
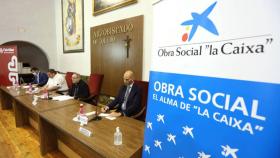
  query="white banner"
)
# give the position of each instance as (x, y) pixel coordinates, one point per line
(246, 47)
(214, 84)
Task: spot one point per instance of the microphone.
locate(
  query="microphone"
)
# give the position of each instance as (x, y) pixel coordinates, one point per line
(96, 118)
(21, 80)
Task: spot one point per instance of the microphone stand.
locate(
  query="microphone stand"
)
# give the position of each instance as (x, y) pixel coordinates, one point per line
(96, 117)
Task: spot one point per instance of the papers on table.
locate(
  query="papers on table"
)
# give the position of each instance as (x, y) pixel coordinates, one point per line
(36, 90)
(76, 119)
(104, 114)
(27, 86)
(90, 113)
(107, 116)
(62, 97)
(90, 116)
(110, 117)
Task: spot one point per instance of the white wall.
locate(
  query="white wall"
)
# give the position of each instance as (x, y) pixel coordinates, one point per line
(39, 22)
(80, 62)
(31, 21)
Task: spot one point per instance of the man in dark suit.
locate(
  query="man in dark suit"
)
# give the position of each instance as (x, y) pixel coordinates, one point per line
(40, 78)
(128, 100)
(79, 89)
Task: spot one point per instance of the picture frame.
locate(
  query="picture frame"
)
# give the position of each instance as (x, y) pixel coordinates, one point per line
(103, 6)
(72, 25)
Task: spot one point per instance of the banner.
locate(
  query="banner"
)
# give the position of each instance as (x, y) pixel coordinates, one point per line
(8, 65)
(214, 82)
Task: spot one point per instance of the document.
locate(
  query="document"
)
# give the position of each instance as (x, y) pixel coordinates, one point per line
(107, 116)
(62, 97)
(111, 117)
(104, 114)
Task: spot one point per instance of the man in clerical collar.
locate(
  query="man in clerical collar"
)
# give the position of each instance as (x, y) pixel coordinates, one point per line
(79, 89)
(128, 100)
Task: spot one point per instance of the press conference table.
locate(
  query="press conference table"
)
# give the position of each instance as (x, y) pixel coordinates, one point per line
(7, 96)
(24, 108)
(100, 144)
(54, 123)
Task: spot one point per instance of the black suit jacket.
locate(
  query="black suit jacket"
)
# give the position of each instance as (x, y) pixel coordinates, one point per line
(133, 103)
(81, 88)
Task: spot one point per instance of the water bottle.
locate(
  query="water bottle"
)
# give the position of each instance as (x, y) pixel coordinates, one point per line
(81, 114)
(81, 111)
(30, 88)
(46, 94)
(16, 86)
(118, 137)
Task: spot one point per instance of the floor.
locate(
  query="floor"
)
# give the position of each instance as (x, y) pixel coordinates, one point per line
(19, 142)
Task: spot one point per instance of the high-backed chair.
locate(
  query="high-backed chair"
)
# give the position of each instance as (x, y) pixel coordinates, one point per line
(68, 78)
(144, 87)
(94, 84)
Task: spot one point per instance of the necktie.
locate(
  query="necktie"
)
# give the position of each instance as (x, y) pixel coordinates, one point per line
(125, 97)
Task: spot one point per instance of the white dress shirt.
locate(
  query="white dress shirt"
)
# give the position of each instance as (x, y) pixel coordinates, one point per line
(58, 80)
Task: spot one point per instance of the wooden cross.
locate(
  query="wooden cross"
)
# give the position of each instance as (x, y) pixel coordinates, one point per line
(127, 45)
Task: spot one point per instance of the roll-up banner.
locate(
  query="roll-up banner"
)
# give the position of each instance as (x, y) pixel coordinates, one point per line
(214, 83)
(8, 65)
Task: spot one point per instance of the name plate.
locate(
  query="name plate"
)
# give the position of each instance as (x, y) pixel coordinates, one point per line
(85, 132)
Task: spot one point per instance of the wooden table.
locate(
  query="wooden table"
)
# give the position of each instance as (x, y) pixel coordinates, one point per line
(7, 96)
(58, 125)
(24, 108)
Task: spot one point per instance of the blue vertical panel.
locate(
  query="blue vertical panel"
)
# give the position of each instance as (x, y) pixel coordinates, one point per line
(202, 117)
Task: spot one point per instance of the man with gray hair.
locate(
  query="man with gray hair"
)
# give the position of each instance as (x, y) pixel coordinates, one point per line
(79, 89)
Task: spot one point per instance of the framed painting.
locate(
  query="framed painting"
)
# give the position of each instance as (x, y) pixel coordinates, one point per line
(72, 25)
(102, 6)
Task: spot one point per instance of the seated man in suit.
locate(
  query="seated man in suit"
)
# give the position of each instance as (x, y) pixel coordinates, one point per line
(56, 82)
(128, 100)
(40, 78)
(79, 88)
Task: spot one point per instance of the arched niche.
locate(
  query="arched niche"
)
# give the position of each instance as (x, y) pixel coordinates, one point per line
(32, 54)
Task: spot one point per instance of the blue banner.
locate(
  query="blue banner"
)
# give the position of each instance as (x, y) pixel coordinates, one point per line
(193, 116)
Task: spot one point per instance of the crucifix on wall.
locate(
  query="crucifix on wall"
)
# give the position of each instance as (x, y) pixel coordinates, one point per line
(127, 45)
(124, 51)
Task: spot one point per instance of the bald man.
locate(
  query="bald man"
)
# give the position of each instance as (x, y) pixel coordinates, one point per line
(128, 100)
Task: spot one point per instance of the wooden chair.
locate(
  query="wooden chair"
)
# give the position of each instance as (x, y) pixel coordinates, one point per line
(144, 87)
(94, 84)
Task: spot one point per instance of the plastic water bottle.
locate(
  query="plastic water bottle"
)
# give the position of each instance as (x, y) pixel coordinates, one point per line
(81, 115)
(118, 137)
(16, 86)
(46, 94)
(81, 111)
(30, 88)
